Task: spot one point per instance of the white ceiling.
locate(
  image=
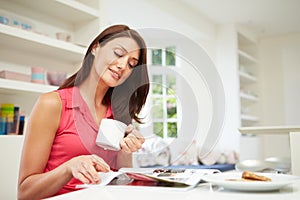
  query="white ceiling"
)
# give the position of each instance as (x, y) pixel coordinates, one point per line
(265, 17)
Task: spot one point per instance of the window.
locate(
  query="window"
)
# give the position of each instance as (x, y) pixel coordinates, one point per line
(163, 102)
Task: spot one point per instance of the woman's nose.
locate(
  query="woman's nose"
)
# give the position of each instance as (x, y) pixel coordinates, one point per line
(122, 63)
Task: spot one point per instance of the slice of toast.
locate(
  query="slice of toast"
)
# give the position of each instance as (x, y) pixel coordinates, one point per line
(255, 177)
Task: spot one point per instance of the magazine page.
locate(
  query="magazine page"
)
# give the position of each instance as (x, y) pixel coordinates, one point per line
(188, 177)
(181, 178)
(105, 177)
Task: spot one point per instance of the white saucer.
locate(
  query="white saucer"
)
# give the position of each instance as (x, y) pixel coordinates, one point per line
(225, 180)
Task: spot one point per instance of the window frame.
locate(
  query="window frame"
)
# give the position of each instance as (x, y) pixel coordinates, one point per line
(159, 70)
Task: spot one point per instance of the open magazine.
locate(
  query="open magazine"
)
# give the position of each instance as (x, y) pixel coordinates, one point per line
(165, 177)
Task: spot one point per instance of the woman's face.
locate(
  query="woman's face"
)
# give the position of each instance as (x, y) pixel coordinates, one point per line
(115, 60)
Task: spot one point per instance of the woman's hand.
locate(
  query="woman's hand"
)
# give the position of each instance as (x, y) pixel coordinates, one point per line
(133, 140)
(85, 168)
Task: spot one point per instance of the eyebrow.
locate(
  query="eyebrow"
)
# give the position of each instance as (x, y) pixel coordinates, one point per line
(127, 52)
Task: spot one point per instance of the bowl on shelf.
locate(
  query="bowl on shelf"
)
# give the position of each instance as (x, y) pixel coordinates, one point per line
(56, 78)
(63, 36)
(14, 75)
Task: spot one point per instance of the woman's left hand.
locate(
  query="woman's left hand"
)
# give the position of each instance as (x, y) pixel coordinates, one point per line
(133, 140)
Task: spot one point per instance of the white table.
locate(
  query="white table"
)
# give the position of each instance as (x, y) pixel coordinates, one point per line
(294, 134)
(205, 191)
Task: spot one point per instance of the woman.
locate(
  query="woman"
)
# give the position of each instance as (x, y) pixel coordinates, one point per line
(59, 149)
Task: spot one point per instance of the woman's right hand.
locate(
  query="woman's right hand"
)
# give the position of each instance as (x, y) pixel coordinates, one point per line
(85, 168)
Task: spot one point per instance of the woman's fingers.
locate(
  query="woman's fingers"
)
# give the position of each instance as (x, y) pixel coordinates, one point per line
(86, 172)
(132, 130)
(129, 128)
(133, 140)
(130, 143)
(100, 164)
(90, 172)
(81, 177)
(85, 168)
(124, 146)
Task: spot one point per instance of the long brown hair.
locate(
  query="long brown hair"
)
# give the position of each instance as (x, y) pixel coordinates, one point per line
(128, 98)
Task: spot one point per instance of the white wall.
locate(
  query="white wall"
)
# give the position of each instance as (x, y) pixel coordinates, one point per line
(167, 14)
(280, 61)
(227, 67)
(291, 77)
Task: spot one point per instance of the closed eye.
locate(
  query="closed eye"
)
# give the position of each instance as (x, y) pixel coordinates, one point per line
(131, 66)
(118, 52)
(132, 62)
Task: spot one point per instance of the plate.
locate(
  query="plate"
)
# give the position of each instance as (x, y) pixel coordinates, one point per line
(231, 181)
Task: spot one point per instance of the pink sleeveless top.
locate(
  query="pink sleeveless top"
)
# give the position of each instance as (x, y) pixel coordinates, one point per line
(76, 135)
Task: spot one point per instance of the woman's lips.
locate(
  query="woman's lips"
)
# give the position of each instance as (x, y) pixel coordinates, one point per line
(115, 74)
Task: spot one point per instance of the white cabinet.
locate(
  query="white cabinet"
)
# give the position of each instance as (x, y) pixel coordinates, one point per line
(250, 96)
(249, 80)
(37, 46)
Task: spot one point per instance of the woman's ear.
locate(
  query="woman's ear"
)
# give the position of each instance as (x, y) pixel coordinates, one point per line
(95, 46)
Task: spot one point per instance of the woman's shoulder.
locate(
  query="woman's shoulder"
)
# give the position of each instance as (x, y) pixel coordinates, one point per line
(66, 93)
(50, 100)
(48, 106)
(57, 95)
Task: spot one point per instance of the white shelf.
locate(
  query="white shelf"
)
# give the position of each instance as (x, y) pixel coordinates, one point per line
(39, 44)
(269, 129)
(21, 137)
(6, 86)
(248, 97)
(246, 58)
(249, 118)
(247, 78)
(67, 10)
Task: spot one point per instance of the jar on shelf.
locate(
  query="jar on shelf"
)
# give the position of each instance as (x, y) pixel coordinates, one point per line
(38, 75)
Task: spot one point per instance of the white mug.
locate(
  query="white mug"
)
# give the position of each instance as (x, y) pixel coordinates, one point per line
(110, 133)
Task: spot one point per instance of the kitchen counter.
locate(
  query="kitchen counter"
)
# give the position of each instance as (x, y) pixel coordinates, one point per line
(203, 191)
(294, 136)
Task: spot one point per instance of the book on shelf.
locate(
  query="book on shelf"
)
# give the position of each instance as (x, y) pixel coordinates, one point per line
(11, 119)
(182, 179)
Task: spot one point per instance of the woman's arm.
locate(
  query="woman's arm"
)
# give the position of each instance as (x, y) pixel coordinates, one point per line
(42, 126)
(39, 136)
(131, 143)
